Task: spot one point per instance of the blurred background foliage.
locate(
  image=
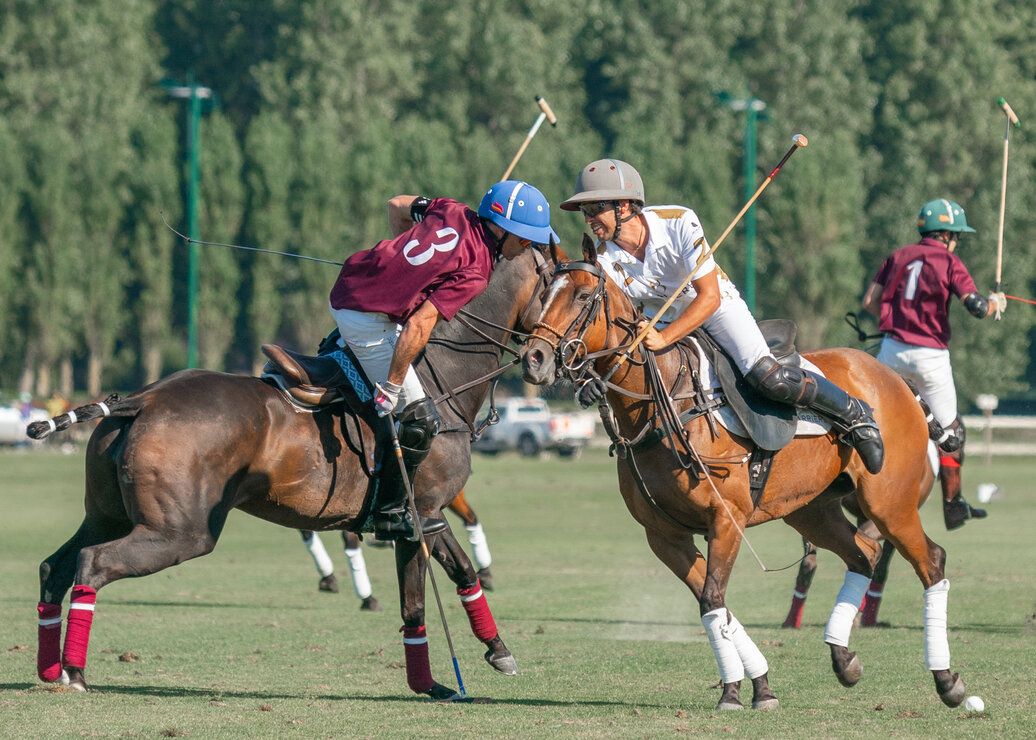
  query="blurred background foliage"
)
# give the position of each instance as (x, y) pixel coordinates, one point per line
(323, 110)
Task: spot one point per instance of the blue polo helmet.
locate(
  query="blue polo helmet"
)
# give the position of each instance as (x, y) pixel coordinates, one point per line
(519, 208)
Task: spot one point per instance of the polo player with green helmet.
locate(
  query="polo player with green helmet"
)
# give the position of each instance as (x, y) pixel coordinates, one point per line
(911, 296)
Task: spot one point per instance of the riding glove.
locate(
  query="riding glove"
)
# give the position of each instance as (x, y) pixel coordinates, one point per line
(590, 392)
(1000, 301)
(386, 395)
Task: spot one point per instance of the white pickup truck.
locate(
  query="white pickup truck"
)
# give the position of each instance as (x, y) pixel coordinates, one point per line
(529, 426)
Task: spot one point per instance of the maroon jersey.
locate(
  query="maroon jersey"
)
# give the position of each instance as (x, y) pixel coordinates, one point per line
(918, 281)
(445, 259)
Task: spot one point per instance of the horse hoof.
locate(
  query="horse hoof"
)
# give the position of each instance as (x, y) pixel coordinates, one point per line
(766, 705)
(504, 663)
(329, 584)
(442, 693)
(370, 604)
(485, 579)
(76, 681)
(955, 694)
(729, 706)
(851, 674)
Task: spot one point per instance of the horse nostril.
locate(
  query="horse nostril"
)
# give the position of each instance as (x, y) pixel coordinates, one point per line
(536, 357)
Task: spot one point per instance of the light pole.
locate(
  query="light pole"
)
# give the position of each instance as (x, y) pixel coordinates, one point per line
(194, 93)
(753, 108)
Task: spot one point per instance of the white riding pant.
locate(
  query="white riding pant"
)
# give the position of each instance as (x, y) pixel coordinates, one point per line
(734, 328)
(372, 338)
(929, 368)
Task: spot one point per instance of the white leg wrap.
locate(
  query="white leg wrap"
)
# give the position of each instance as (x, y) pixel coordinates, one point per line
(479, 546)
(323, 562)
(840, 623)
(358, 569)
(751, 656)
(731, 669)
(936, 645)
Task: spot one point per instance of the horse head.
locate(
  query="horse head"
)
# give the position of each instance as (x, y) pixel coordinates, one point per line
(576, 324)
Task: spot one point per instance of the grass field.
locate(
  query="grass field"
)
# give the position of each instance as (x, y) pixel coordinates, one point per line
(609, 645)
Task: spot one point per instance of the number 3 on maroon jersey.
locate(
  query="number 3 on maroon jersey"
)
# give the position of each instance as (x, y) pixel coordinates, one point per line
(417, 254)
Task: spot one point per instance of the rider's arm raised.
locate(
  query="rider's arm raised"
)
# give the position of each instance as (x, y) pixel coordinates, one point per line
(399, 213)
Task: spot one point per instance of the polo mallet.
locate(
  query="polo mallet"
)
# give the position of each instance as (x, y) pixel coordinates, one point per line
(424, 549)
(800, 142)
(1011, 118)
(545, 113)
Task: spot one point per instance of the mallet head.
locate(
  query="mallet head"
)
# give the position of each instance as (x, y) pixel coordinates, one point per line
(546, 110)
(1011, 116)
(800, 140)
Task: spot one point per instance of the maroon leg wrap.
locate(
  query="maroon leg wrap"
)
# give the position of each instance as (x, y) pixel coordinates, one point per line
(80, 618)
(48, 654)
(794, 618)
(418, 671)
(481, 619)
(871, 602)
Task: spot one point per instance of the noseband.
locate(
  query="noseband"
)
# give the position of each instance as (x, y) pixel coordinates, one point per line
(567, 344)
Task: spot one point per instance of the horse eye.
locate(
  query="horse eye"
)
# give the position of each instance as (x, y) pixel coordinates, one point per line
(583, 296)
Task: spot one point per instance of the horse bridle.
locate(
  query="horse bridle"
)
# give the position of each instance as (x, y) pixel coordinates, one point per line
(568, 345)
(471, 322)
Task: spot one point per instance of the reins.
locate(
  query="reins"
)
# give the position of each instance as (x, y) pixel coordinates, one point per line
(670, 424)
(471, 322)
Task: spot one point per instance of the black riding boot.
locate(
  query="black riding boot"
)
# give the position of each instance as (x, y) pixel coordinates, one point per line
(418, 425)
(802, 388)
(955, 510)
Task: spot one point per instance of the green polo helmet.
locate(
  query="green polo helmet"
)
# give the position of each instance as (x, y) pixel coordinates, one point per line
(606, 179)
(942, 215)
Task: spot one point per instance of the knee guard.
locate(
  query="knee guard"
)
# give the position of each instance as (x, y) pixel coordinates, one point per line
(782, 383)
(418, 425)
(957, 429)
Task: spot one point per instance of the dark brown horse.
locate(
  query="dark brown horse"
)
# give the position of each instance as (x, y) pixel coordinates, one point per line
(586, 322)
(172, 460)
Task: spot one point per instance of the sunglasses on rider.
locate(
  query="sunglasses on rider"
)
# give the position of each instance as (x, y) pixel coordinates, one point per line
(591, 210)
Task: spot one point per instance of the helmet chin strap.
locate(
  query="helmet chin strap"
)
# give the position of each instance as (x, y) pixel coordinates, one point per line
(498, 241)
(620, 221)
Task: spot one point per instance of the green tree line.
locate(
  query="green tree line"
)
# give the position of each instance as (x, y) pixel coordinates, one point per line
(323, 110)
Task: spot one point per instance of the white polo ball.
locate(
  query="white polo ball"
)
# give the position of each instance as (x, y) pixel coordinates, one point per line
(974, 704)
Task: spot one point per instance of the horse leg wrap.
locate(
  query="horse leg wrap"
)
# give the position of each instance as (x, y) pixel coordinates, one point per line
(48, 655)
(479, 546)
(798, 603)
(481, 619)
(731, 668)
(358, 569)
(871, 602)
(751, 656)
(840, 623)
(936, 644)
(320, 557)
(80, 619)
(418, 671)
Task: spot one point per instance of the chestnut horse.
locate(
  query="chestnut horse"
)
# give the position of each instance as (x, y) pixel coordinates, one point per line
(588, 321)
(171, 461)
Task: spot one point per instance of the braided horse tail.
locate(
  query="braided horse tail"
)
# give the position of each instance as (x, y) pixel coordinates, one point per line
(113, 404)
(944, 439)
